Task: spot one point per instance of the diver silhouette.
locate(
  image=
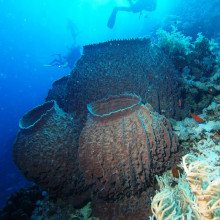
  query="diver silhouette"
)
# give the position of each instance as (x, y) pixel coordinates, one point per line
(69, 60)
(57, 61)
(135, 6)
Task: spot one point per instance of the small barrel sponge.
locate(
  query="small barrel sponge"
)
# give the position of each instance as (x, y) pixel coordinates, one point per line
(45, 150)
(123, 145)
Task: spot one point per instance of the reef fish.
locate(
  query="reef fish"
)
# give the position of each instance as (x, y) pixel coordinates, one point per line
(180, 103)
(196, 118)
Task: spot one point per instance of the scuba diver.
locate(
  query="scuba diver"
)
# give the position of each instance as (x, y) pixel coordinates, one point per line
(58, 61)
(69, 60)
(134, 6)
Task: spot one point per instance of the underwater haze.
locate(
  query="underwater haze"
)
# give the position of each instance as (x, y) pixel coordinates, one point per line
(41, 40)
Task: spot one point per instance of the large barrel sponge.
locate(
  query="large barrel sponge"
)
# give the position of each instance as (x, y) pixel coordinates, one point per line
(120, 66)
(45, 150)
(123, 145)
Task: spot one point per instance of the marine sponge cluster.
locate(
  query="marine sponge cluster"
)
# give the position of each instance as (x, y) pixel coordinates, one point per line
(123, 145)
(116, 151)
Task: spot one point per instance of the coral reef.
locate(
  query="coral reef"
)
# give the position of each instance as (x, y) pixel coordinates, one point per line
(21, 204)
(217, 99)
(48, 209)
(198, 63)
(201, 177)
(45, 150)
(206, 84)
(174, 43)
(123, 145)
(206, 134)
(194, 59)
(115, 67)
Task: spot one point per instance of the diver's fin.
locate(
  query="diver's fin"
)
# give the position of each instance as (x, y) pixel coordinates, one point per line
(111, 20)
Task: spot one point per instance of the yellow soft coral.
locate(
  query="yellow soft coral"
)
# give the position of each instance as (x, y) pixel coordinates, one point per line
(204, 180)
(173, 202)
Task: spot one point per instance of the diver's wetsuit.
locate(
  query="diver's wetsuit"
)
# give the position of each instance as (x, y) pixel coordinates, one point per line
(139, 6)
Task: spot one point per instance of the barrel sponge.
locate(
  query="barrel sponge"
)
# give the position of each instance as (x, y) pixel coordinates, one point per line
(45, 150)
(123, 145)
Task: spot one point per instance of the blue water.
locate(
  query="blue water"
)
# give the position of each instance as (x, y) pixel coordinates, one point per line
(32, 31)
